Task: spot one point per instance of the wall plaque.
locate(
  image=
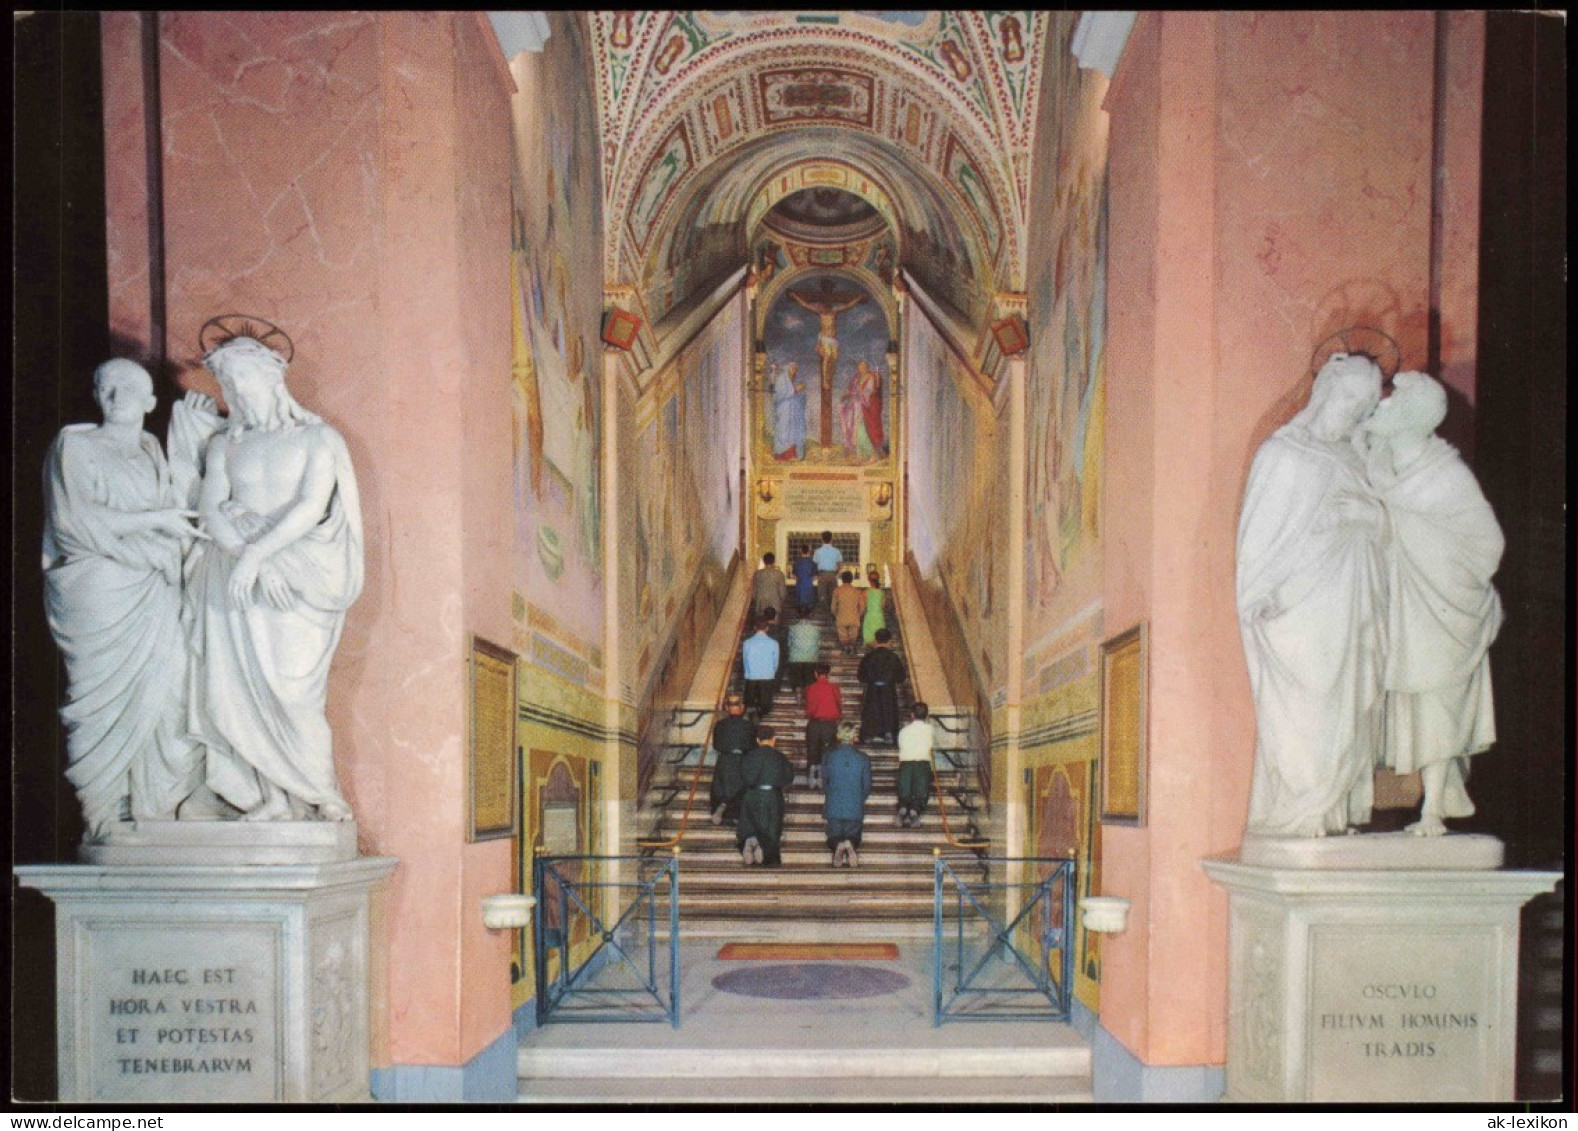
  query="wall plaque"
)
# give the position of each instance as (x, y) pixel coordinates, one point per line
(824, 500)
(1123, 723)
(492, 791)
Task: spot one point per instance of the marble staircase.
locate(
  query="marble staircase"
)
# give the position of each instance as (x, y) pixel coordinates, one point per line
(894, 883)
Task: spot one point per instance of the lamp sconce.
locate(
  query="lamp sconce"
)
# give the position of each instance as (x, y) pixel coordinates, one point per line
(511, 912)
(1104, 914)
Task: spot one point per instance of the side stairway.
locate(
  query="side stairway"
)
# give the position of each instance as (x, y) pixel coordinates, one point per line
(893, 887)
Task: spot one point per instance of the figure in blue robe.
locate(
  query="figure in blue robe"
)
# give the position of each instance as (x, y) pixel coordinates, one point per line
(789, 424)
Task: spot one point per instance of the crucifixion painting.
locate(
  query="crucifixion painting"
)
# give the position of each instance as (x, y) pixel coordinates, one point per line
(827, 307)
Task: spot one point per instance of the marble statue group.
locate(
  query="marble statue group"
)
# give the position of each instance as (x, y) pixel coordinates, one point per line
(1365, 556)
(198, 598)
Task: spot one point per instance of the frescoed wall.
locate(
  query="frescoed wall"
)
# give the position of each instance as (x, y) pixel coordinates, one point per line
(1065, 414)
(823, 422)
(1065, 422)
(556, 304)
(679, 466)
(1059, 746)
(562, 788)
(958, 491)
(560, 505)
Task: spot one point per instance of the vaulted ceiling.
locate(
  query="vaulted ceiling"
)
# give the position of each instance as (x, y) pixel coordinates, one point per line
(708, 118)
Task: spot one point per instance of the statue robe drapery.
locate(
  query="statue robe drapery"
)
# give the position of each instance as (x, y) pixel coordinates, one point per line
(114, 607)
(1311, 605)
(1442, 616)
(260, 684)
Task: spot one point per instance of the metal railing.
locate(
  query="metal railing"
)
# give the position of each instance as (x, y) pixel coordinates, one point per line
(1022, 968)
(654, 843)
(611, 982)
(958, 723)
(685, 750)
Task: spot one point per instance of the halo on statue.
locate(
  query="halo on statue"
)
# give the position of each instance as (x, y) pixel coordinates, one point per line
(225, 327)
(1375, 344)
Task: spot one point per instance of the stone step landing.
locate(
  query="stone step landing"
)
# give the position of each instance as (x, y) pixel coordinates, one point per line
(1056, 1069)
(970, 1090)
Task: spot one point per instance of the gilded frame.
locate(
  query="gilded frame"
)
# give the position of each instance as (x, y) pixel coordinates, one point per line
(1124, 710)
(492, 789)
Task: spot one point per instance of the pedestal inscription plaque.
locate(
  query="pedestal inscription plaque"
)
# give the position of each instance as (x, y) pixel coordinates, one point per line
(169, 1017)
(1389, 1007)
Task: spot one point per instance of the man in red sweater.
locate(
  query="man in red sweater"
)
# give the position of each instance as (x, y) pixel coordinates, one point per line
(824, 707)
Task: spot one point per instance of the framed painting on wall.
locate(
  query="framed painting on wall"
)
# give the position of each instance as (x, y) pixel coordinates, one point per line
(1124, 661)
(491, 786)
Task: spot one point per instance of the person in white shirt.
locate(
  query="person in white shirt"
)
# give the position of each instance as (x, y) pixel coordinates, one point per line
(916, 741)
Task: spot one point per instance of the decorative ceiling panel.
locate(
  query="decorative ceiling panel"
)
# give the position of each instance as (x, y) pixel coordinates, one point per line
(949, 97)
(816, 94)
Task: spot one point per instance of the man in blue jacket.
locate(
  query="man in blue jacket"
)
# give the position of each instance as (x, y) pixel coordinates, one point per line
(760, 656)
(846, 777)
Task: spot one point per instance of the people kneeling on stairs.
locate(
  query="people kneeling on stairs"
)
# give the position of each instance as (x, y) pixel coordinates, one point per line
(824, 707)
(732, 736)
(846, 777)
(849, 605)
(916, 741)
(881, 671)
(764, 773)
(759, 658)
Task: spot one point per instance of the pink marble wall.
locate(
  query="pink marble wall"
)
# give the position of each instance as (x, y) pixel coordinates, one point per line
(126, 183)
(1134, 187)
(1271, 182)
(346, 177)
(483, 266)
(1460, 115)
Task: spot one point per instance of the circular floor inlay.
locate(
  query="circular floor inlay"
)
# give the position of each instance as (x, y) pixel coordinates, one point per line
(797, 981)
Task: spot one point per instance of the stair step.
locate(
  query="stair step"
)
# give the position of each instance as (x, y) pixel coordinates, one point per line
(1064, 1055)
(1039, 1090)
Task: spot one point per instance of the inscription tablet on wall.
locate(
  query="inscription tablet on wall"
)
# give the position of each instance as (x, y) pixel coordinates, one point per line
(1398, 1012)
(824, 500)
(175, 1015)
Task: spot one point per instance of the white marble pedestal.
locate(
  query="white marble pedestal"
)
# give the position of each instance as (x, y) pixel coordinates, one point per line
(1390, 982)
(180, 982)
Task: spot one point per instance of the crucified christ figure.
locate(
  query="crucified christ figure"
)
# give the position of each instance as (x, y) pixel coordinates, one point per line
(827, 311)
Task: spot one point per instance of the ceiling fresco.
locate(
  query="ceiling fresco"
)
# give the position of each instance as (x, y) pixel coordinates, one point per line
(823, 206)
(699, 109)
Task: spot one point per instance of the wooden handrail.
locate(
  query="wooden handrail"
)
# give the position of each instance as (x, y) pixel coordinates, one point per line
(942, 810)
(936, 781)
(701, 763)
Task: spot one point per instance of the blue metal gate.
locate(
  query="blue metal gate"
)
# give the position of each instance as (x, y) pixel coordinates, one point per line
(1017, 969)
(618, 978)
